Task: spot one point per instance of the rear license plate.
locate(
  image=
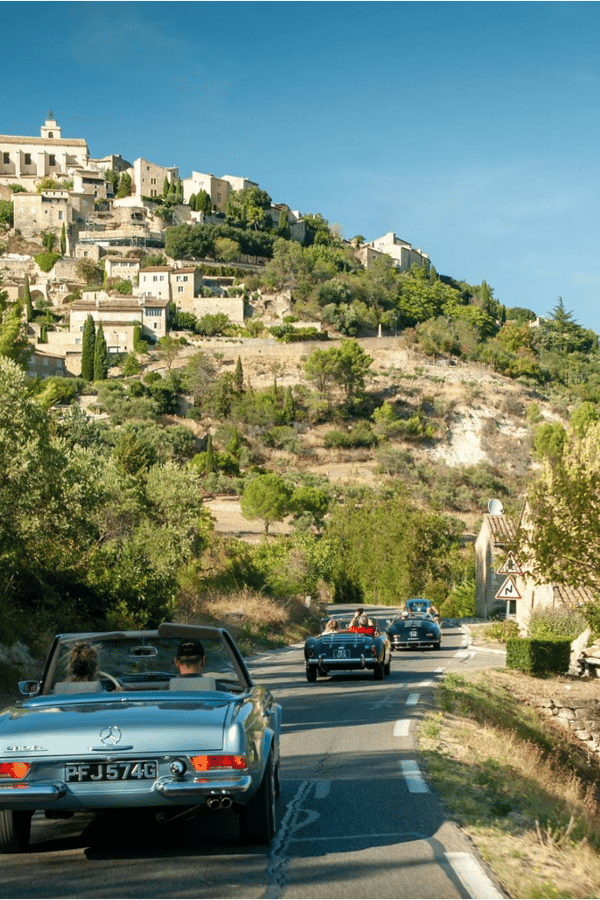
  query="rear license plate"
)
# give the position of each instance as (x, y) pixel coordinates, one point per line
(413, 636)
(342, 654)
(119, 770)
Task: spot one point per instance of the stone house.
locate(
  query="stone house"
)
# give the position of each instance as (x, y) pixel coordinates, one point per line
(216, 188)
(496, 537)
(44, 362)
(49, 210)
(26, 160)
(122, 267)
(119, 316)
(148, 178)
(403, 253)
(492, 546)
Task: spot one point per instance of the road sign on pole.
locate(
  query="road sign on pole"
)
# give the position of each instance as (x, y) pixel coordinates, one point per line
(508, 591)
(510, 566)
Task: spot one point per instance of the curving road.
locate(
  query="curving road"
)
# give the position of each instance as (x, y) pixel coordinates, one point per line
(356, 816)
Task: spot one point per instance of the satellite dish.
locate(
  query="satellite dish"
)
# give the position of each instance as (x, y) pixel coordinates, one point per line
(495, 508)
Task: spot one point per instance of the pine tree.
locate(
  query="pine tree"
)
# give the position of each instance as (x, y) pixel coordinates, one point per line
(100, 355)
(238, 376)
(88, 346)
(63, 240)
(27, 300)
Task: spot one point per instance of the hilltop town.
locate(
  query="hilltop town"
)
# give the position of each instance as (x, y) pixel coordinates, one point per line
(109, 214)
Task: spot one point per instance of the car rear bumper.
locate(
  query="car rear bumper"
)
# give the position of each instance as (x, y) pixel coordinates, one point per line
(28, 796)
(360, 662)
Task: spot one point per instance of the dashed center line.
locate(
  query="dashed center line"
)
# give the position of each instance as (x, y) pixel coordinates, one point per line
(402, 728)
(412, 699)
(412, 774)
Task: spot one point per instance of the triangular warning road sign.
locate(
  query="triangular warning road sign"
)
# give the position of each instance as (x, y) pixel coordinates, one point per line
(508, 591)
(510, 566)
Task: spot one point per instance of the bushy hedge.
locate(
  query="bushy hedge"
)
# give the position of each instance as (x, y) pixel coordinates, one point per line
(538, 657)
(46, 260)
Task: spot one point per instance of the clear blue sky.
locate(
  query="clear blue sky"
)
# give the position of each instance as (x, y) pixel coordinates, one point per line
(469, 129)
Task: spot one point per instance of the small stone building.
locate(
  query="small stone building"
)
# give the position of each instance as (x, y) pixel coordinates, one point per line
(495, 539)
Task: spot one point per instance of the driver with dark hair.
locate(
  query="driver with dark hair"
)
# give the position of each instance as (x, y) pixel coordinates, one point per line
(190, 658)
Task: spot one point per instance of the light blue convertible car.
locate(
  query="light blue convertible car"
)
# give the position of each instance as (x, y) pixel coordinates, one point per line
(141, 736)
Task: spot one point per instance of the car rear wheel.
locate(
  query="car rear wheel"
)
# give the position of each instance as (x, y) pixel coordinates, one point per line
(15, 829)
(388, 666)
(258, 818)
(311, 673)
(379, 671)
(437, 645)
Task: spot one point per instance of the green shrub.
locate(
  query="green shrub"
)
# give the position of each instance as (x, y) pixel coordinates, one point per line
(46, 260)
(538, 657)
(359, 436)
(546, 624)
(502, 631)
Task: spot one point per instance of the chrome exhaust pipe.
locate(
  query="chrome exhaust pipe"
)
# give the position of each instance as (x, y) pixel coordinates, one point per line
(213, 802)
(226, 803)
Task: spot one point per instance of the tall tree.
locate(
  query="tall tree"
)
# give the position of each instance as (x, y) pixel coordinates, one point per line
(563, 522)
(27, 299)
(63, 240)
(125, 185)
(238, 376)
(166, 187)
(14, 343)
(88, 348)
(101, 359)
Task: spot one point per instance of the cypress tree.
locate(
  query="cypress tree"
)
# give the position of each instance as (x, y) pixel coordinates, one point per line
(166, 187)
(289, 412)
(88, 346)
(63, 240)
(238, 376)
(100, 355)
(192, 202)
(210, 462)
(27, 299)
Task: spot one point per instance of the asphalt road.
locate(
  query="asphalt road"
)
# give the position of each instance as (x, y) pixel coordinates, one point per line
(356, 816)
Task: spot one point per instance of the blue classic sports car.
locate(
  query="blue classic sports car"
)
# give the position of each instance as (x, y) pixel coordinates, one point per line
(340, 649)
(141, 735)
(414, 629)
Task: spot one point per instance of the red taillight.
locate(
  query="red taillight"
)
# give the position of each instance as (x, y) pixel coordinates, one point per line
(14, 769)
(206, 763)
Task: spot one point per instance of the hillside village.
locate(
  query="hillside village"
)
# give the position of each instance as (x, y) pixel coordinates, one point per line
(63, 194)
(108, 217)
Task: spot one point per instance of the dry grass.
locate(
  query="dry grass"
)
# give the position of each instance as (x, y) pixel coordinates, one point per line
(524, 792)
(255, 621)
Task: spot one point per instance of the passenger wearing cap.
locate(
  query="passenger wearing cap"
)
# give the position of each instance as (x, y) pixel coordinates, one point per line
(190, 658)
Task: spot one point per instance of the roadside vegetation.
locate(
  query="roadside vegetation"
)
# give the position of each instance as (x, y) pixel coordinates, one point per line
(524, 789)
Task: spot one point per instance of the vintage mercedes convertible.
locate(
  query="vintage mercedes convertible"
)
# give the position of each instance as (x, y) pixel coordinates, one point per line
(414, 629)
(342, 649)
(141, 736)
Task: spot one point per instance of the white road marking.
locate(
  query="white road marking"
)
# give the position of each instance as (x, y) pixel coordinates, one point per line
(322, 789)
(412, 699)
(414, 780)
(439, 670)
(462, 654)
(424, 684)
(473, 877)
(402, 728)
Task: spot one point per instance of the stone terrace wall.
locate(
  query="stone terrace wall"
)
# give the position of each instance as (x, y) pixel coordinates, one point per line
(582, 718)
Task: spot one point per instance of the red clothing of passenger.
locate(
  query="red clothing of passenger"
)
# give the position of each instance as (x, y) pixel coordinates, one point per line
(363, 629)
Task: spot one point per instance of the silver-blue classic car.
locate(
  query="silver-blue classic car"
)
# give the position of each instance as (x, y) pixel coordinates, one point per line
(141, 735)
(339, 649)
